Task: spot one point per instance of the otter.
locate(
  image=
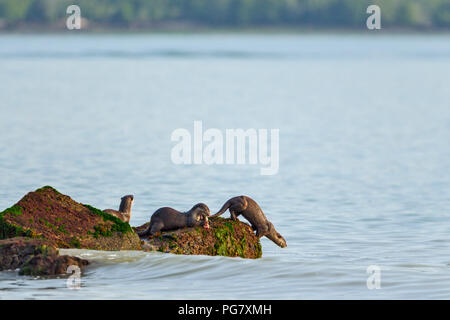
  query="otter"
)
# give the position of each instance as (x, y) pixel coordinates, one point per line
(165, 219)
(252, 212)
(124, 212)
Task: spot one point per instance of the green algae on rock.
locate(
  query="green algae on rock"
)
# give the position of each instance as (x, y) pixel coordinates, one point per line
(225, 237)
(48, 214)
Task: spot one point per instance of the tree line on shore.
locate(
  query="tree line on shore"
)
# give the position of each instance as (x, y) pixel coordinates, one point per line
(136, 14)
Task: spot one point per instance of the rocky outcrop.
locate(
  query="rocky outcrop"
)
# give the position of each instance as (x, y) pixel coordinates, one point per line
(65, 223)
(224, 237)
(45, 220)
(35, 257)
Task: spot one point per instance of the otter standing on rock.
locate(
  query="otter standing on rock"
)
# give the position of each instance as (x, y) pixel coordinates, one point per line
(165, 219)
(124, 212)
(253, 213)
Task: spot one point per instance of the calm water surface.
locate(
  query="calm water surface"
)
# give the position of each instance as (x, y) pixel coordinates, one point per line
(364, 174)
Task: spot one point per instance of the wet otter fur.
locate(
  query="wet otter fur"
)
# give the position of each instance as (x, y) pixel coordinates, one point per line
(124, 212)
(165, 219)
(253, 213)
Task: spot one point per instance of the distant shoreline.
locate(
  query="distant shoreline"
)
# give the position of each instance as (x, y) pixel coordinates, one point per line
(32, 30)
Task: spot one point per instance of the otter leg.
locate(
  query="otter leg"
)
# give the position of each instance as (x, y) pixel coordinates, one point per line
(234, 215)
(236, 208)
(262, 230)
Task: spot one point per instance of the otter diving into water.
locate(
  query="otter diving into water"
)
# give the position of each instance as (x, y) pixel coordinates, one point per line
(124, 212)
(165, 219)
(253, 213)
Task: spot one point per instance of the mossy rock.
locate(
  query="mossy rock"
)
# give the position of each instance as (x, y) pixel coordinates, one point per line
(48, 214)
(225, 237)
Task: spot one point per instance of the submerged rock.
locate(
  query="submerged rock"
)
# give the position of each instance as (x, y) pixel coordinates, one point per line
(35, 257)
(65, 223)
(224, 237)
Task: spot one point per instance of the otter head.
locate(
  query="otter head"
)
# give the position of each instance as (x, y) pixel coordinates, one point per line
(129, 197)
(125, 205)
(198, 215)
(276, 237)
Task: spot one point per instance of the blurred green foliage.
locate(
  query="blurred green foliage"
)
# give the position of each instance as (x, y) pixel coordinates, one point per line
(228, 13)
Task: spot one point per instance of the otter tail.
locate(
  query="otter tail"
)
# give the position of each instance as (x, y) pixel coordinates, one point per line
(223, 209)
